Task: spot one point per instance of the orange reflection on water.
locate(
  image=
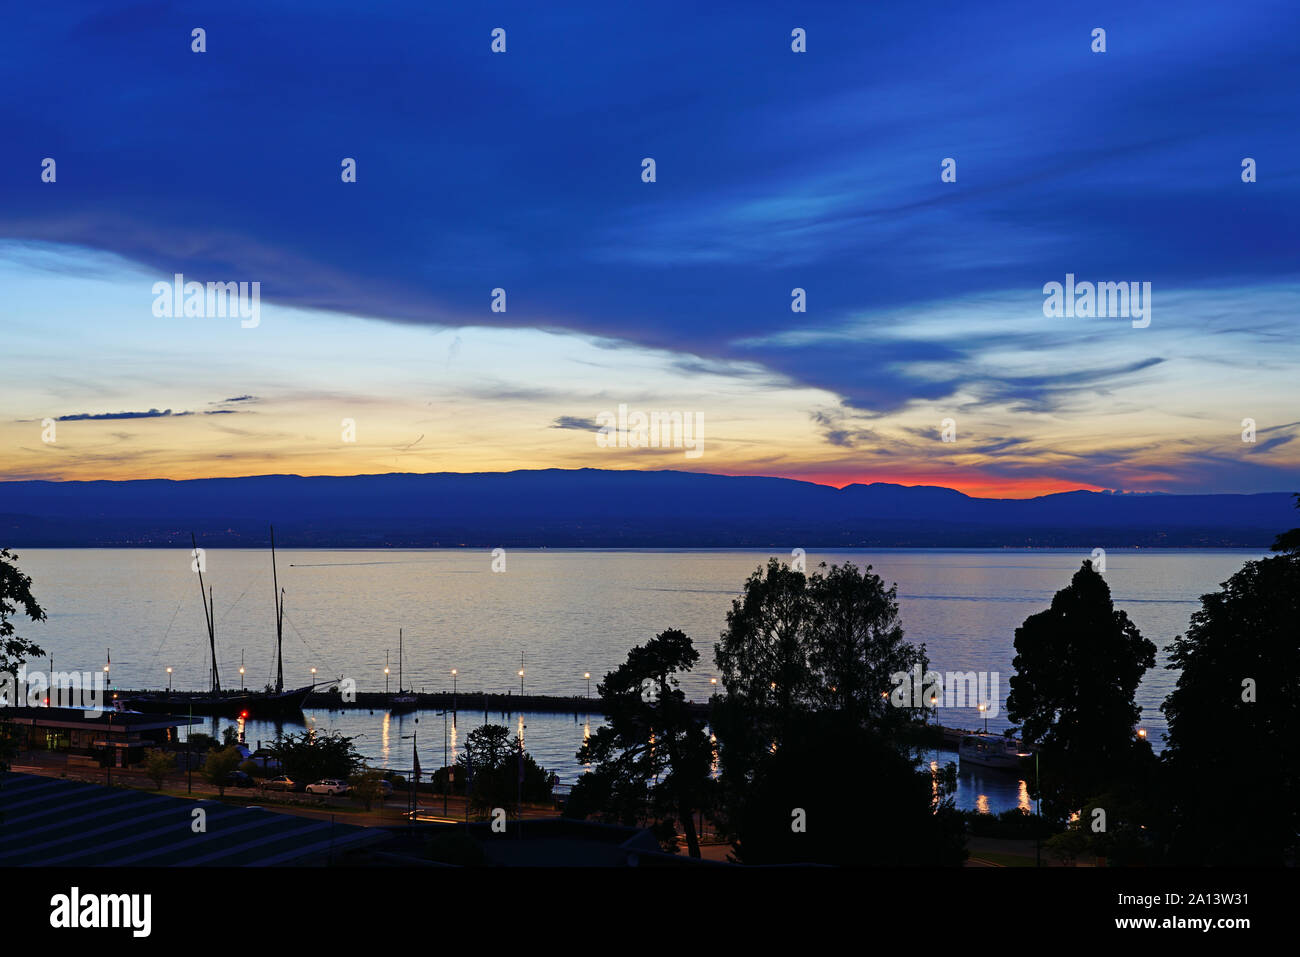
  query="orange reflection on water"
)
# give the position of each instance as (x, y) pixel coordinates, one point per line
(982, 804)
(1024, 803)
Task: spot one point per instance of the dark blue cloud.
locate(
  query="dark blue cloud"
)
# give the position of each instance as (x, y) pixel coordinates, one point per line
(775, 169)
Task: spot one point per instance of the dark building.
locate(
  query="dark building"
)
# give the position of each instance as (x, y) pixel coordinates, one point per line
(119, 737)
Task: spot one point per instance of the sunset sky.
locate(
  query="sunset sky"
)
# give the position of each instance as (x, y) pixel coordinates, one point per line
(775, 170)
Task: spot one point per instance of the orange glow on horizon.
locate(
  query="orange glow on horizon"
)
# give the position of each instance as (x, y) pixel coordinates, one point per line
(969, 483)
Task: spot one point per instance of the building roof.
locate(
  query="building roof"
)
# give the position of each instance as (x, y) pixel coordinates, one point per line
(78, 718)
(50, 822)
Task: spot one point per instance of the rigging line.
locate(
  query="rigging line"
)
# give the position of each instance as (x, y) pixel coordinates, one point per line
(309, 647)
(247, 586)
(158, 650)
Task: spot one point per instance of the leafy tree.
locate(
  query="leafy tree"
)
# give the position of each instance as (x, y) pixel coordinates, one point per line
(652, 757)
(219, 764)
(229, 736)
(15, 595)
(798, 645)
(311, 756)
(201, 742)
(1289, 542)
(494, 759)
(857, 645)
(1077, 667)
(764, 652)
(157, 765)
(365, 786)
(1234, 713)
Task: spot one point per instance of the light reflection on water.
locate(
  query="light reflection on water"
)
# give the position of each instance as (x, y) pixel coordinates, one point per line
(344, 608)
(554, 739)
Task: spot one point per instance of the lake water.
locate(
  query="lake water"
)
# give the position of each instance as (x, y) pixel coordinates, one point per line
(566, 611)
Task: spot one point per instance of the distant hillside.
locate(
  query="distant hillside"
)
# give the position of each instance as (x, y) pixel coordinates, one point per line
(595, 508)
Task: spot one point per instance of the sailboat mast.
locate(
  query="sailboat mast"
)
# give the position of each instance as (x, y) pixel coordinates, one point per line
(400, 686)
(279, 620)
(212, 639)
(206, 597)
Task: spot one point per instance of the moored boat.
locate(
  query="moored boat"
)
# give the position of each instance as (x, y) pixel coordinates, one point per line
(991, 751)
(274, 702)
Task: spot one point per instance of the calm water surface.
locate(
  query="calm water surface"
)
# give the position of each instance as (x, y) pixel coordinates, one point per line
(566, 612)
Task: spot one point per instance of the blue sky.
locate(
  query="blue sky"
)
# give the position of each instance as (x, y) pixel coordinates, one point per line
(775, 170)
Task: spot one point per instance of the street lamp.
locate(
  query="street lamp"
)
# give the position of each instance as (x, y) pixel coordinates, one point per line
(169, 681)
(313, 676)
(385, 672)
(985, 711)
(1142, 733)
(521, 682)
(587, 675)
(413, 797)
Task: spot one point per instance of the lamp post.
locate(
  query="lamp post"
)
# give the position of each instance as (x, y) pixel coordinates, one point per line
(108, 768)
(934, 703)
(412, 801)
(521, 683)
(454, 673)
(587, 675)
(169, 681)
(385, 672)
(985, 711)
(313, 676)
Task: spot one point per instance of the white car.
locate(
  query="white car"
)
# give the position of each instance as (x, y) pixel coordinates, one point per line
(328, 786)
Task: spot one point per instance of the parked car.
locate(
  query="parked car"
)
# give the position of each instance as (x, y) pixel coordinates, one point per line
(328, 786)
(240, 779)
(281, 783)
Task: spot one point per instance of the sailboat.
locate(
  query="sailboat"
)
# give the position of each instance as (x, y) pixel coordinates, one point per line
(277, 703)
(404, 700)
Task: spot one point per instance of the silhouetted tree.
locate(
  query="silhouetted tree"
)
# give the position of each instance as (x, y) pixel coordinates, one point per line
(797, 645)
(496, 761)
(157, 765)
(219, 764)
(1234, 721)
(366, 786)
(1289, 542)
(652, 757)
(1077, 667)
(15, 595)
(856, 644)
(837, 794)
(309, 757)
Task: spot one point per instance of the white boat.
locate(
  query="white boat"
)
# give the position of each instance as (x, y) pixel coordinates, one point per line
(991, 751)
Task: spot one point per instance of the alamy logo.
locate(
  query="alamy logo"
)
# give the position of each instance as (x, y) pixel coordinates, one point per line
(652, 430)
(954, 689)
(73, 910)
(215, 301)
(1103, 300)
(59, 689)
